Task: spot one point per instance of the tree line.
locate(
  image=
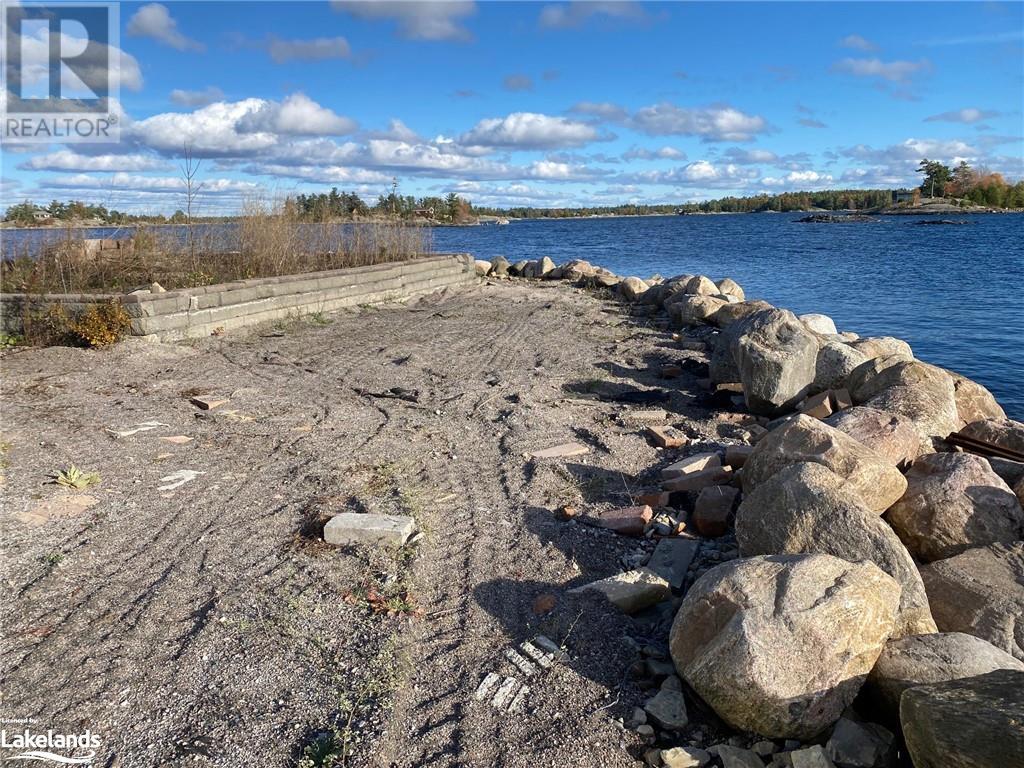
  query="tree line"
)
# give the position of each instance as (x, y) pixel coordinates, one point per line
(973, 185)
(335, 205)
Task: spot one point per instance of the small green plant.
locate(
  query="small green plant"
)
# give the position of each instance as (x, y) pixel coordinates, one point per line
(325, 751)
(8, 340)
(319, 318)
(73, 477)
(51, 559)
(100, 325)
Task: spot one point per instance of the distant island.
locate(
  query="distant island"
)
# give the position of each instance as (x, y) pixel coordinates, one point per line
(943, 190)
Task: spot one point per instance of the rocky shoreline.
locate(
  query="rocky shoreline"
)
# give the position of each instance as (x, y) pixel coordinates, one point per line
(859, 602)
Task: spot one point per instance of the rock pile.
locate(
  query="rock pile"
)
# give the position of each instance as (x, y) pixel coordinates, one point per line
(875, 592)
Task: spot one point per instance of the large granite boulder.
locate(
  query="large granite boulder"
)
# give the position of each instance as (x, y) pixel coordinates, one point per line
(820, 324)
(500, 266)
(954, 502)
(973, 401)
(981, 592)
(695, 309)
(577, 269)
(976, 722)
(730, 287)
(932, 658)
(807, 508)
(836, 361)
(701, 285)
(777, 358)
(739, 310)
(930, 406)
(1005, 433)
(781, 645)
(879, 374)
(887, 434)
(871, 476)
(883, 346)
(632, 288)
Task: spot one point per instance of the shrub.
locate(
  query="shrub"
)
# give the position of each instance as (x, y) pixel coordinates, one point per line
(100, 325)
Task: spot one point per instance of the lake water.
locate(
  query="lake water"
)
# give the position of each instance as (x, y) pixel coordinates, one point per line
(952, 292)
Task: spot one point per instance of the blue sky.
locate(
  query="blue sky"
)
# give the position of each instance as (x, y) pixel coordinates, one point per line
(543, 104)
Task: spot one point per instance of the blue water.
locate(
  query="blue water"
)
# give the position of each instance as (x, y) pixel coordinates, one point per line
(952, 292)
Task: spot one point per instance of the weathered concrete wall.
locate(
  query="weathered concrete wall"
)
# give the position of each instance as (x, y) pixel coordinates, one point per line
(200, 311)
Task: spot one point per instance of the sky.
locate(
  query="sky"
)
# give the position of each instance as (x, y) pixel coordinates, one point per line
(541, 104)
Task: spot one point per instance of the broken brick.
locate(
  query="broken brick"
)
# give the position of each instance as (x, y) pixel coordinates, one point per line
(691, 464)
(667, 437)
(713, 509)
(629, 521)
(696, 481)
(818, 406)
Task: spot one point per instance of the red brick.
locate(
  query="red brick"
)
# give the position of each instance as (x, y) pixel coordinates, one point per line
(667, 437)
(713, 509)
(629, 521)
(698, 480)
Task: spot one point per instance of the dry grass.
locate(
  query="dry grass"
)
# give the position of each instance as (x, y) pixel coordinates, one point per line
(264, 242)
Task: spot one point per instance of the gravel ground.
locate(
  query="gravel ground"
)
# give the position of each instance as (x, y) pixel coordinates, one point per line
(207, 625)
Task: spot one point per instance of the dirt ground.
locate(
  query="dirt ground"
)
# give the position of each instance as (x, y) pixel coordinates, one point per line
(204, 624)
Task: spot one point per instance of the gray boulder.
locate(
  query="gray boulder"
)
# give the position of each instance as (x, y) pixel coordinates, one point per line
(730, 287)
(887, 434)
(954, 502)
(781, 645)
(871, 476)
(971, 723)
(1005, 433)
(855, 744)
(930, 406)
(910, 661)
(499, 266)
(482, 268)
(820, 324)
(883, 346)
(701, 285)
(836, 361)
(881, 373)
(517, 269)
(632, 288)
(695, 309)
(740, 310)
(973, 401)
(981, 592)
(545, 266)
(777, 358)
(806, 508)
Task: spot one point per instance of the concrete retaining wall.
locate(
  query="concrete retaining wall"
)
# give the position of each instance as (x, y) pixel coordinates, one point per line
(200, 311)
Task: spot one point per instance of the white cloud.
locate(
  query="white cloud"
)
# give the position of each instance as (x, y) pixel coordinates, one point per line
(211, 131)
(155, 21)
(797, 178)
(643, 153)
(529, 130)
(715, 123)
(604, 110)
(968, 115)
(857, 42)
(67, 160)
(94, 63)
(892, 71)
(317, 49)
(161, 184)
(749, 156)
(577, 13)
(700, 173)
(297, 115)
(421, 20)
(201, 98)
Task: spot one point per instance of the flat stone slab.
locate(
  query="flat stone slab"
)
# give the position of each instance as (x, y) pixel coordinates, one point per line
(668, 710)
(671, 559)
(566, 450)
(667, 437)
(631, 591)
(696, 481)
(208, 402)
(628, 521)
(691, 464)
(349, 528)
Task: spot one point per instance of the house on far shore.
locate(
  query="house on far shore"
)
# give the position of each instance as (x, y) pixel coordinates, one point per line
(40, 214)
(424, 213)
(902, 196)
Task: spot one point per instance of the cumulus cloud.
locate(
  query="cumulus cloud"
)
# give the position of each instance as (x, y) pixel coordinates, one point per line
(749, 156)
(575, 14)
(160, 184)
(701, 173)
(969, 115)
(517, 83)
(93, 64)
(795, 178)
(643, 153)
(715, 123)
(529, 130)
(603, 109)
(155, 21)
(316, 49)
(297, 115)
(892, 71)
(67, 160)
(201, 98)
(421, 20)
(858, 43)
